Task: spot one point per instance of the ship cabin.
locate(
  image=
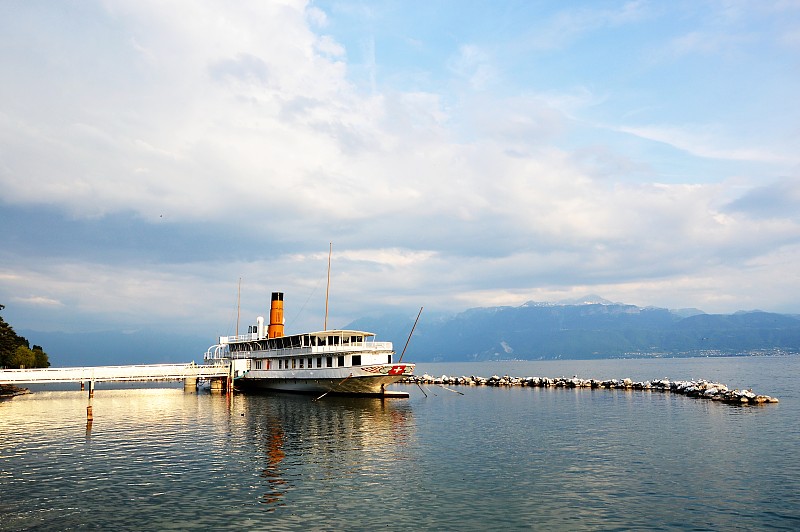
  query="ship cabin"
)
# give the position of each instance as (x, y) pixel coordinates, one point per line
(322, 349)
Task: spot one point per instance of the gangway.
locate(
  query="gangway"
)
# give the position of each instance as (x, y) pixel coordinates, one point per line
(152, 372)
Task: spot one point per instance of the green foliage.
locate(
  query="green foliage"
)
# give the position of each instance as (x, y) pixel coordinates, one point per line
(15, 350)
(23, 358)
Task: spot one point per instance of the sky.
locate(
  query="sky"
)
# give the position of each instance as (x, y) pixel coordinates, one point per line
(163, 164)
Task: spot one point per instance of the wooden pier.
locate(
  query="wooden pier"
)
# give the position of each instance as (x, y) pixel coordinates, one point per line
(188, 373)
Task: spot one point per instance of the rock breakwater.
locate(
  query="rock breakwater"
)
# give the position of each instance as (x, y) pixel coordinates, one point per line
(700, 389)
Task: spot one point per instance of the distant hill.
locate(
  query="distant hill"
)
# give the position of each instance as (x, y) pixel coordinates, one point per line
(589, 328)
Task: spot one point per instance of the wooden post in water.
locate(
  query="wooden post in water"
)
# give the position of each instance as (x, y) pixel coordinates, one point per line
(217, 384)
(190, 384)
(229, 380)
(91, 389)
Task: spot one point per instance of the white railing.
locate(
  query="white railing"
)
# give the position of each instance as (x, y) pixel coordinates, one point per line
(218, 352)
(113, 373)
(240, 338)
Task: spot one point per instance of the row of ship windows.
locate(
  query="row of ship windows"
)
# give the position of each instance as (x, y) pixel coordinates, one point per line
(301, 363)
(297, 340)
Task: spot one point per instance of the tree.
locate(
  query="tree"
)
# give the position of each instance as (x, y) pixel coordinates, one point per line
(15, 350)
(40, 357)
(23, 358)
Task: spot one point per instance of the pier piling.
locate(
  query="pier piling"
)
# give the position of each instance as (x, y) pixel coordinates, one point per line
(190, 384)
(218, 384)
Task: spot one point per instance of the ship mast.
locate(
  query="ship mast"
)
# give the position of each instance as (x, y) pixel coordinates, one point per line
(328, 289)
(238, 305)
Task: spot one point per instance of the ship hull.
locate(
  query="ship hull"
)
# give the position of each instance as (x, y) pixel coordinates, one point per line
(363, 381)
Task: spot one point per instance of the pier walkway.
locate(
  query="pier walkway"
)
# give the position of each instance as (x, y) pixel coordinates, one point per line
(153, 372)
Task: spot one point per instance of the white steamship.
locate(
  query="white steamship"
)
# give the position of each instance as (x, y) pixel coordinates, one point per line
(341, 362)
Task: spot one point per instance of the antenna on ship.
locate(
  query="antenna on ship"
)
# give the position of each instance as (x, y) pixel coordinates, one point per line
(328, 289)
(238, 305)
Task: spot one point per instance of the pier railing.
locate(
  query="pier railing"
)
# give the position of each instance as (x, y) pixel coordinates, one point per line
(150, 372)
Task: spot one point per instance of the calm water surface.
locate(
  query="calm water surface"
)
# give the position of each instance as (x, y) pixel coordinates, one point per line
(520, 458)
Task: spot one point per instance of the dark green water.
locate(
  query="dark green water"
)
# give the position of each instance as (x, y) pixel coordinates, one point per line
(519, 458)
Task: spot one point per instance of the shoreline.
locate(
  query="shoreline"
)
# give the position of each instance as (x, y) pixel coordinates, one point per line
(8, 391)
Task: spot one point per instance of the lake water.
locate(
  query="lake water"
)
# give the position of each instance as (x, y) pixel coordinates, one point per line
(517, 458)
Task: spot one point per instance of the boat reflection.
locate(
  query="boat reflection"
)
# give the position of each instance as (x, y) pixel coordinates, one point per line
(325, 443)
(275, 455)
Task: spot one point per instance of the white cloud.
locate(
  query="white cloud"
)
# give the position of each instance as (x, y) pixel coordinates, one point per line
(708, 141)
(243, 119)
(38, 301)
(571, 24)
(473, 64)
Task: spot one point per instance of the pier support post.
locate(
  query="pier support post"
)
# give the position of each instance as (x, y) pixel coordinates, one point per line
(89, 419)
(91, 389)
(190, 384)
(217, 384)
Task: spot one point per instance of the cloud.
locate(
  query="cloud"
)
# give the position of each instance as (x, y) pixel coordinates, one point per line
(707, 43)
(38, 301)
(473, 64)
(780, 199)
(143, 177)
(572, 24)
(245, 68)
(707, 141)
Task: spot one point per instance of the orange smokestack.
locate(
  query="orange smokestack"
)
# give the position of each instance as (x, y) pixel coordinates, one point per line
(275, 328)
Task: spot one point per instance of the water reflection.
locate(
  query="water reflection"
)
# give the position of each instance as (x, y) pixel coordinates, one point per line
(326, 443)
(272, 473)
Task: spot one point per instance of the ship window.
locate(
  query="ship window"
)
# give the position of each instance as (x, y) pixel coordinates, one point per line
(319, 362)
(258, 364)
(294, 363)
(330, 362)
(356, 360)
(390, 360)
(341, 361)
(310, 362)
(301, 363)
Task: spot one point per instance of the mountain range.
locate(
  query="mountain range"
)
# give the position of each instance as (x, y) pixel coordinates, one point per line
(588, 328)
(584, 328)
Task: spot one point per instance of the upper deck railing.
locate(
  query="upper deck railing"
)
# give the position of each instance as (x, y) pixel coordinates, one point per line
(219, 352)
